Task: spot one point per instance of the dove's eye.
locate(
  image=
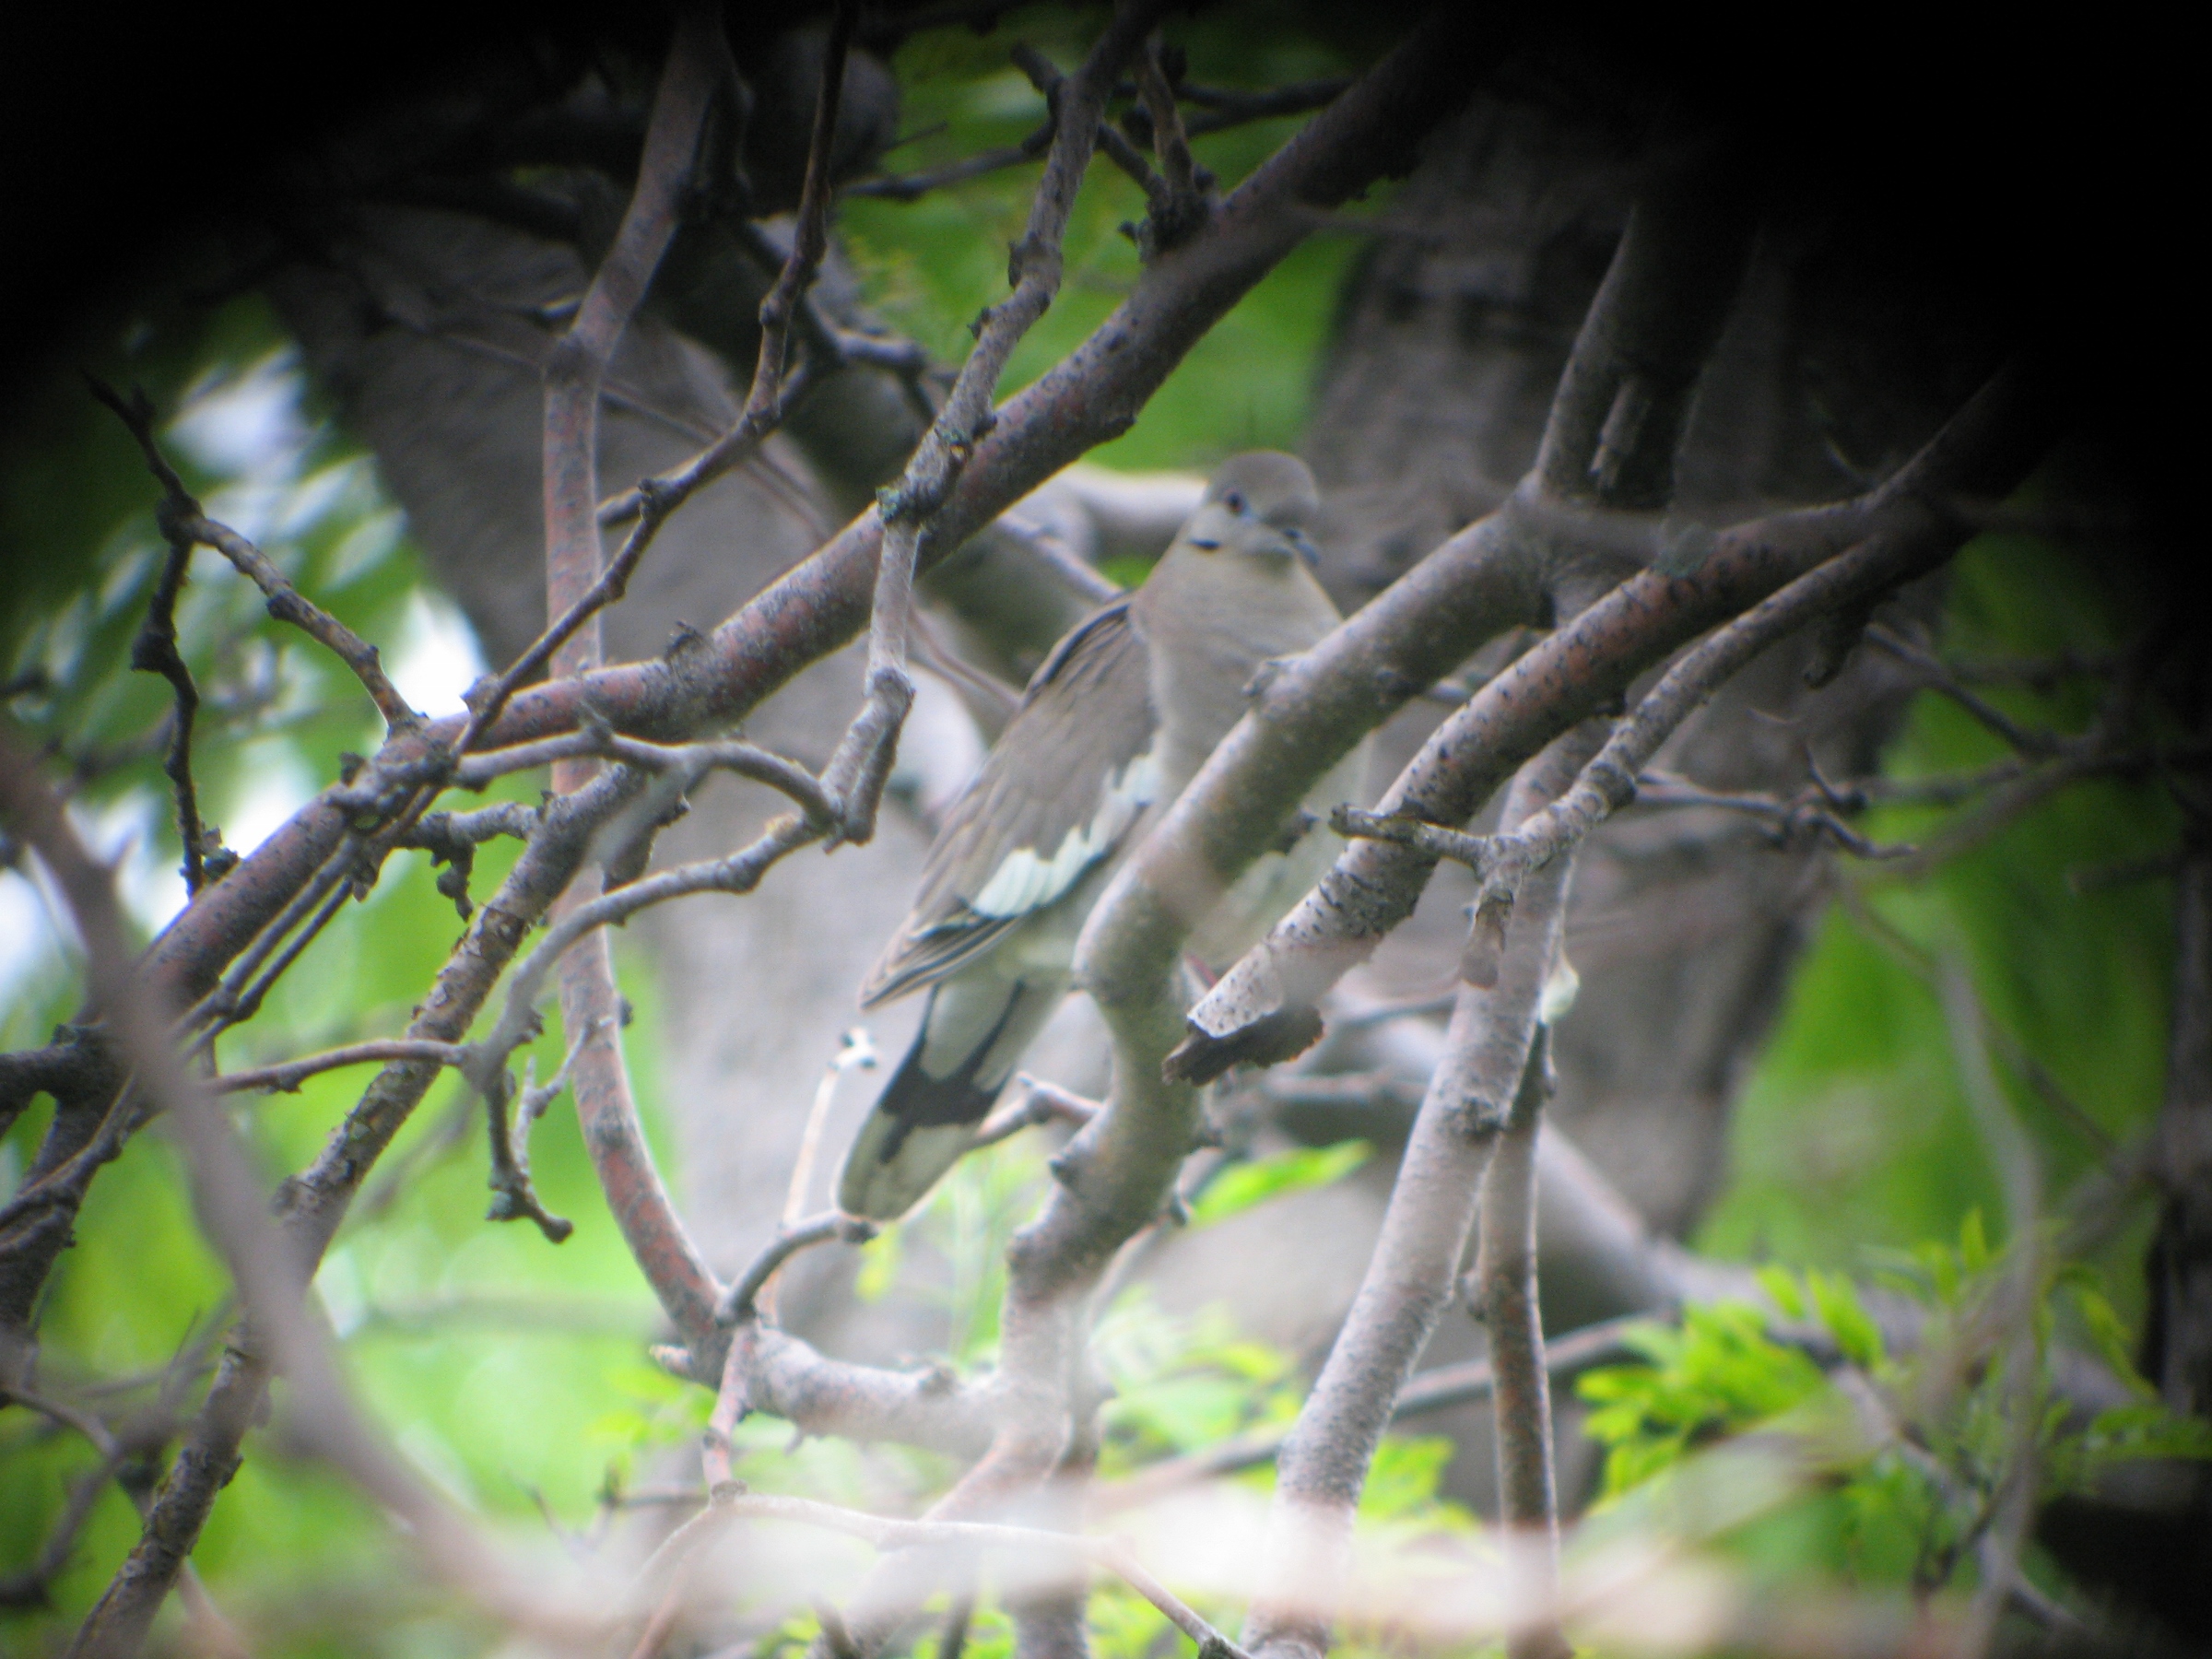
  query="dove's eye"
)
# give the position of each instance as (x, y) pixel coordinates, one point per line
(1233, 501)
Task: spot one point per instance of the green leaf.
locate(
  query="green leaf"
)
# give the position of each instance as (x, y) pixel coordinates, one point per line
(1402, 1482)
(2126, 1432)
(879, 1259)
(1781, 1285)
(1973, 1242)
(1846, 1319)
(1243, 1185)
(2108, 1332)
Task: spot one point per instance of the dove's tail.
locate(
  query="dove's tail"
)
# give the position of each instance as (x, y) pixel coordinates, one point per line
(971, 1041)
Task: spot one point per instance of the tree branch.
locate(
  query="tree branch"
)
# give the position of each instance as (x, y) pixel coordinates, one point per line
(1608, 782)
(788, 1378)
(737, 1302)
(1324, 1463)
(910, 508)
(184, 524)
(155, 651)
(1895, 534)
(233, 1208)
(591, 1009)
(314, 1203)
(1091, 396)
(1658, 312)
(1437, 1390)
(1505, 1273)
(286, 1077)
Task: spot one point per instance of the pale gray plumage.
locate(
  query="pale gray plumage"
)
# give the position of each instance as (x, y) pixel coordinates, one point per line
(1117, 720)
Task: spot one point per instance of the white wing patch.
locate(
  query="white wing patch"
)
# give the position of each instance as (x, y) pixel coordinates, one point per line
(1024, 882)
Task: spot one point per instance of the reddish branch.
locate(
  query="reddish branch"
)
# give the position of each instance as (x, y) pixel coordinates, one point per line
(1091, 398)
(286, 1077)
(591, 1007)
(1093, 395)
(1610, 782)
(1992, 442)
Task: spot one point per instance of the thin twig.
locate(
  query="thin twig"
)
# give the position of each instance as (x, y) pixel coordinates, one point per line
(737, 1300)
(1044, 75)
(1520, 1399)
(286, 1077)
(740, 872)
(857, 774)
(1938, 676)
(1225, 109)
(248, 1001)
(1086, 580)
(694, 760)
(774, 390)
(1811, 814)
(1609, 782)
(220, 1006)
(235, 1209)
(1179, 211)
(856, 1050)
(155, 651)
(1039, 1103)
(653, 499)
(513, 1194)
(183, 523)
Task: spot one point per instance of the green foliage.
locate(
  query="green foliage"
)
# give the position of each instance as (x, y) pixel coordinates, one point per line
(1890, 1471)
(1854, 1130)
(1242, 1185)
(511, 1372)
(1181, 1385)
(1717, 1374)
(951, 1254)
(507, 1370)
(929, 265)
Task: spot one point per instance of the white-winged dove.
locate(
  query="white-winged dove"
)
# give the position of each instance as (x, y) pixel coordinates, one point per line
(1115, 721)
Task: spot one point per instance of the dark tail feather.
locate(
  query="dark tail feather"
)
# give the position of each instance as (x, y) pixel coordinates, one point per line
(913, 1100)
(920, 1127)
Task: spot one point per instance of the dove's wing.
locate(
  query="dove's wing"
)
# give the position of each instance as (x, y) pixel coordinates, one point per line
(1073, 770)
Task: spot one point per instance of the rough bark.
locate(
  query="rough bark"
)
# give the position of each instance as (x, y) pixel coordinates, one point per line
(1453, 339)
(1450, 341)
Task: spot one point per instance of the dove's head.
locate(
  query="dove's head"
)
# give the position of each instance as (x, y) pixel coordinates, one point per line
(1260, 507)
(1234, 592)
